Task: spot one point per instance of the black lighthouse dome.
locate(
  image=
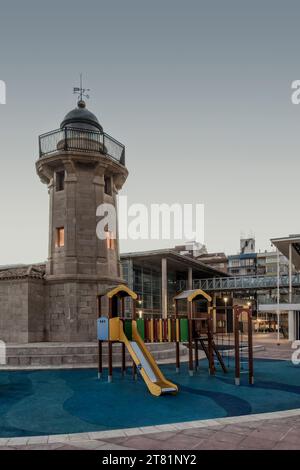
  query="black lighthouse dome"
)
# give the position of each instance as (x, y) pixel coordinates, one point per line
(81, 118)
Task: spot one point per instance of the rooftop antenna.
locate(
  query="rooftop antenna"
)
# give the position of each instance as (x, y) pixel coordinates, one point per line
(82, 92)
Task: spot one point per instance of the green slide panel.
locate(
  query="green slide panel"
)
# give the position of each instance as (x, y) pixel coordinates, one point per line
(141, 328)
(128, 329)
(184, 330)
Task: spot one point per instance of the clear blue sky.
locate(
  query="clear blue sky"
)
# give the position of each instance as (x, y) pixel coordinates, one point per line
(198, 91)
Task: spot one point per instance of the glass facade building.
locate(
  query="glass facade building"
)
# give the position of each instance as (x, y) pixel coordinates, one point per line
(146, 282)
(143, 273)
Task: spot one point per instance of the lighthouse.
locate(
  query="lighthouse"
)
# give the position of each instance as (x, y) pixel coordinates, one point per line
(83, 168)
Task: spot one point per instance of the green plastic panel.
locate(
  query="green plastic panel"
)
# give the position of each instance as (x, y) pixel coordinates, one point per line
(184, 329)
(141, 327)
(128, 329)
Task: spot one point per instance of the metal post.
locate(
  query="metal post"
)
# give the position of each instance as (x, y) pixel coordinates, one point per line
(196, 355)
(123, 344)
(191, 365)
(177, 342)
(290, 273)
(214, 314)
(237, 346)
(278, 297)
(250, 348)
(134, 372)
(210, 340)
(226, 300)
(164, 288)
(110, 352)
(99, 343)
(40, 147)
(66, 139)
(291, 323)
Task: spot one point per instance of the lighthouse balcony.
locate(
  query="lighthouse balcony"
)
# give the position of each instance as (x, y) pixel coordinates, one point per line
(82, 140)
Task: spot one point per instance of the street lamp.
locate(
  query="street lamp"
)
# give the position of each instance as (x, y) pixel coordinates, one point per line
(226, 300)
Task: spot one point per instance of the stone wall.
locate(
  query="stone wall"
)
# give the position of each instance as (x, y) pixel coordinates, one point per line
(22, 310)
(14, 311)
(72, 311)
(32, 310)
(36, 311)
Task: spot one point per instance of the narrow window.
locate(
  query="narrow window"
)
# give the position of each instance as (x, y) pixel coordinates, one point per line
(110, 240)
(60, 237)
(60, 180)
(107, 185)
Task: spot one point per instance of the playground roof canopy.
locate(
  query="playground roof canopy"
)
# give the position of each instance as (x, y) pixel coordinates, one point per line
(191, 295)
(122, 291)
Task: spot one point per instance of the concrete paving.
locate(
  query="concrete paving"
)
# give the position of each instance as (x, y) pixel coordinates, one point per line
(272, 350)
(277, 433)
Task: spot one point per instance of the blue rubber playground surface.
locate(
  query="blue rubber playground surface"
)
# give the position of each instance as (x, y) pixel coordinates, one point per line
(69, 401)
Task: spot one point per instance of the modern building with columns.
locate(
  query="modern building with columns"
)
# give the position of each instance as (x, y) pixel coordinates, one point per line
(288, 302)
(157, 275)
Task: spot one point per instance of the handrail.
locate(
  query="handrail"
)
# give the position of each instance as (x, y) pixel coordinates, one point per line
(83, 140)
(241, 282)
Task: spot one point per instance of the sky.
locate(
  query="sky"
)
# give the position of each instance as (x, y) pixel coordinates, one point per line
(198, 91)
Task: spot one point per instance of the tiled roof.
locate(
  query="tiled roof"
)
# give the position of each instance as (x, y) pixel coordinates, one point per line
(33, 271)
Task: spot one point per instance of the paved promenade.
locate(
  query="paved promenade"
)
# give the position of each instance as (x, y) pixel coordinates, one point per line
(282, 431)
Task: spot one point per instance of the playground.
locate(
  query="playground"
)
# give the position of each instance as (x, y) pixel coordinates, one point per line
(49, 402)
(223, 382)
(195, 326)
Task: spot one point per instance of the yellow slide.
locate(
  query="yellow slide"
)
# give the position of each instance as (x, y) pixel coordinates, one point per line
(152, 375)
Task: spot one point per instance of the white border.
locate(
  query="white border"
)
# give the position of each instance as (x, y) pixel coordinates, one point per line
(89, 436)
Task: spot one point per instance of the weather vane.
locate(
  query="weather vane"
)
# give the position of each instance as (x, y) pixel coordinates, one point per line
(82, 92)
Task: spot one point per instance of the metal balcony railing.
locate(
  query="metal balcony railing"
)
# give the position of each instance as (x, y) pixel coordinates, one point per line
(81, 140)
(241, 282)
(284, 299)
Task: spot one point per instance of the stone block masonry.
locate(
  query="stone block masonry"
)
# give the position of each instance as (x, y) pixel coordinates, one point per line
(22, 305)
(34, 310)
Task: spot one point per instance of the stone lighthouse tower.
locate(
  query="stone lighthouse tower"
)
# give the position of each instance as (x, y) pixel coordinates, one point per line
(83, 167)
